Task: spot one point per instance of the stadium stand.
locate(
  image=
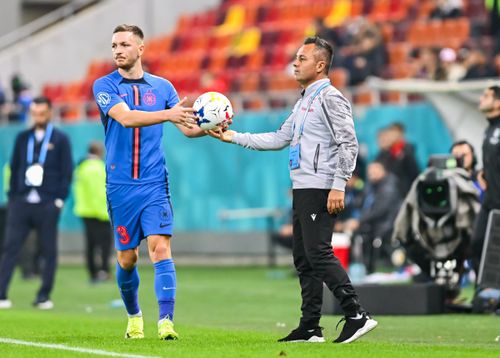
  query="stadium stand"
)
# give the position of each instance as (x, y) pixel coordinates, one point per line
(250, 46)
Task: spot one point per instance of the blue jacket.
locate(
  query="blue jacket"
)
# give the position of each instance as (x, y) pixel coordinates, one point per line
(58, 167)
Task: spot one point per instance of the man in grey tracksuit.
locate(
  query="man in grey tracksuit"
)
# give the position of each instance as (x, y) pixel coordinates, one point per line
(323, 149)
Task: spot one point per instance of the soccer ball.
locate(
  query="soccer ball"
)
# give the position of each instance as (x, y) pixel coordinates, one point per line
(212, 109)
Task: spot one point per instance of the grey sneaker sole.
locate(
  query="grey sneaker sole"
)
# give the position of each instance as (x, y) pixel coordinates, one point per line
(369, 325)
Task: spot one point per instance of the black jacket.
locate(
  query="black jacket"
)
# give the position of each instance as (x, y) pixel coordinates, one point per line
(380, 207)
(491, 164)
(58, 167)
(402, 164)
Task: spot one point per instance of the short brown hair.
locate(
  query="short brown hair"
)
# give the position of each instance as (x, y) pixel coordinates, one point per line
(136, 30)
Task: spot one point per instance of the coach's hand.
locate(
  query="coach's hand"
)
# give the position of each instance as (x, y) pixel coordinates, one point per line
(179, 114)
(335, 202)
(225, 136)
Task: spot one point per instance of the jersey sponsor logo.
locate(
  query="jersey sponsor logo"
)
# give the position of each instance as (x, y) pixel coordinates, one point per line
(149, 98)
(122, 231)
(103, 99)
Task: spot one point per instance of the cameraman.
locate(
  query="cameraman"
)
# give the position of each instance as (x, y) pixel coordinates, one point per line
(464, 152)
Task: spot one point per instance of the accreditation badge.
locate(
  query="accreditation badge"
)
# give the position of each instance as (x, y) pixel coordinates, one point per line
(294, 156)
(34, 175)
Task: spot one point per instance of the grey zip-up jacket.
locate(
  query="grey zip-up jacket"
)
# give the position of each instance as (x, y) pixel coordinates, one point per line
(328, 145)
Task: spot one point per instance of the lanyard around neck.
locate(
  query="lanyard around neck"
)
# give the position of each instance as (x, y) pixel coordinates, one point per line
(311, 100)
(43, 150)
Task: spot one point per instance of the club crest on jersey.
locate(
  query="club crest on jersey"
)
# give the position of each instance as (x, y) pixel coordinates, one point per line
(149, 98)
(103, 99)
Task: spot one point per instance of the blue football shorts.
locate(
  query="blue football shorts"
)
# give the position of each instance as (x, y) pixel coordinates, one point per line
(137, 211)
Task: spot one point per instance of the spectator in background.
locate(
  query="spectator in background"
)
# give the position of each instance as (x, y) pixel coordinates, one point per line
(90, 205)
(23, 104)
(347, 220)
(284, 236)
(493, 7)
(453, 70)
(209, 82)
(489, 104)
(397, 156)
(447, 9)
(381, 203)
(366, 54)
(16, 85)
(478, 66)
(41, 169)
(426, 64)
(496, 64)
(463, 151)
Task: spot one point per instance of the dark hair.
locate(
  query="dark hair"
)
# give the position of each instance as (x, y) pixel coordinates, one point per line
(398, 126)
(496, 91)
(324, 47)
(464, 142)
(96, 148)
(42, 100)
(136, 30)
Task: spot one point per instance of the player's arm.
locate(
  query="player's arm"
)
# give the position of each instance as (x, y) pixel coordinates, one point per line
(191, 132)
(179, 115)
(258, 141)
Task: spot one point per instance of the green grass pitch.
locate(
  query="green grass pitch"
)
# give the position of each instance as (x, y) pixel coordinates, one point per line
(222, 312)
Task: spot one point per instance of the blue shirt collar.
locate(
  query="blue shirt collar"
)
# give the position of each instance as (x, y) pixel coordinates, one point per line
(144, 78)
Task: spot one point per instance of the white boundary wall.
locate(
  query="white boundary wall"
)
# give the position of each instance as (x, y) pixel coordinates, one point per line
(62, 52)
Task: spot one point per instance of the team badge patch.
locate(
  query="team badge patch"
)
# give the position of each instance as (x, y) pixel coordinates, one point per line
(103, 99)
(149, 98)
(164, 214)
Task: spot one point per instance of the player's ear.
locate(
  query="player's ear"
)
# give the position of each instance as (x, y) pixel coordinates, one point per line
(141, 48)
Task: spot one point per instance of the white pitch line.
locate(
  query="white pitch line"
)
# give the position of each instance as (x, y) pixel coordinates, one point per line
(74, 349)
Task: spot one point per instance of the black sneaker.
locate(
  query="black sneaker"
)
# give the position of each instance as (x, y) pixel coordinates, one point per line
(355, 328)
(301, 334)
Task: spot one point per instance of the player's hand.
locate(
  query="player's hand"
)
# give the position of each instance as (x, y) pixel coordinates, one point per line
(179, 114)
(225, 136)
(335, 203)
(481, 180)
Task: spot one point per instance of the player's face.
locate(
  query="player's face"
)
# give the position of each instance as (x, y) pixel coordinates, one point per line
(127, 49)
(307, 68)
(488, 103)
(40, 114)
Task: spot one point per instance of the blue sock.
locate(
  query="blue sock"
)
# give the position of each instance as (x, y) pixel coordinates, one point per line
(165, 284)
(128, 284)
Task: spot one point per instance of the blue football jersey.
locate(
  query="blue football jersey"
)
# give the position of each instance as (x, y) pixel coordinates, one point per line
(134, 155)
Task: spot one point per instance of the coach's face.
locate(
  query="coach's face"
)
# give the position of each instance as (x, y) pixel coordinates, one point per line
(307, 67)
(127, 48)
(40, 114)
